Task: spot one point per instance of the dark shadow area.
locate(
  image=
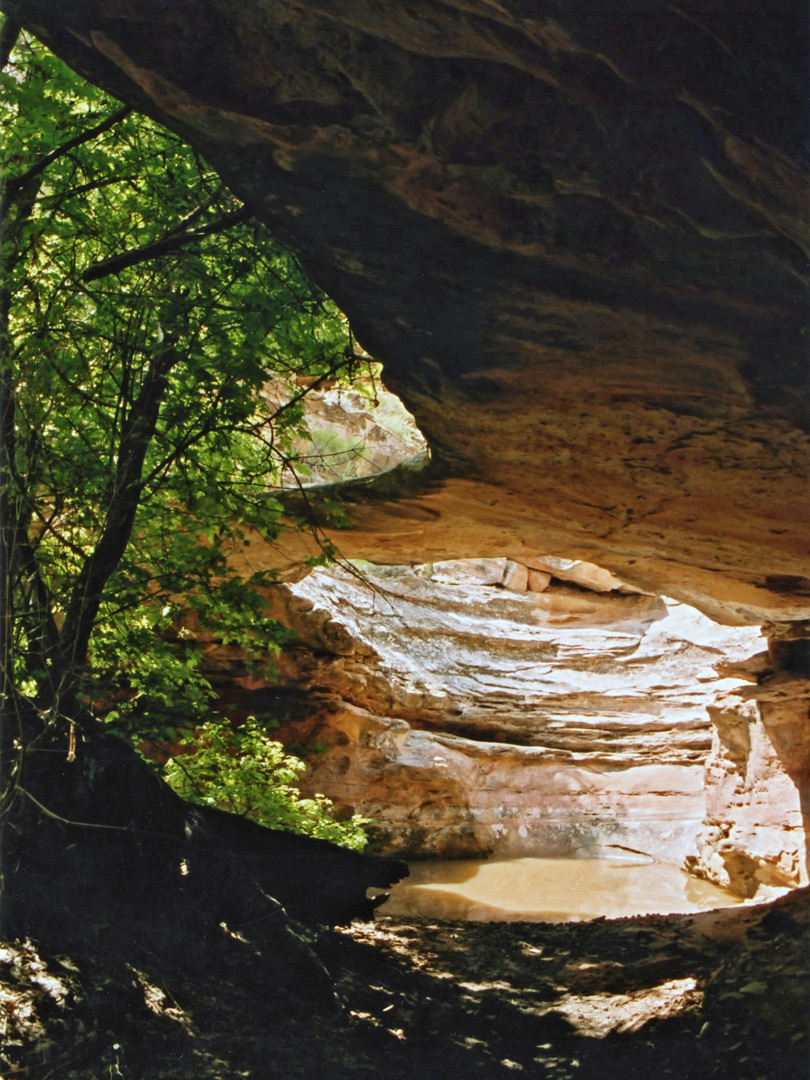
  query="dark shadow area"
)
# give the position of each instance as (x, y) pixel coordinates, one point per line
(147, 984)
(126, 912)
(652, 997)
(785, 720)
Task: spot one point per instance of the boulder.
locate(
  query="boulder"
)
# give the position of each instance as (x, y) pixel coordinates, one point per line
(538, 580)
(515, 576)
(578, 573)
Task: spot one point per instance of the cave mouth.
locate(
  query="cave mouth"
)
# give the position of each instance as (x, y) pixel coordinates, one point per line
(511, 724)
(524, 720)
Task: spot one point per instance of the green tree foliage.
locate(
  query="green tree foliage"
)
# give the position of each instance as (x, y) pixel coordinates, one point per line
(141, 311)
(243, 770)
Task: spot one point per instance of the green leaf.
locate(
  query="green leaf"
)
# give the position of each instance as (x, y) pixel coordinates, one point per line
(246, 772)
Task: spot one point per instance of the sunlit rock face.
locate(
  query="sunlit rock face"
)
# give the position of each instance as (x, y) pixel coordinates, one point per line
(757, 783)
(470, 714)
(353, 432)
(575, 234)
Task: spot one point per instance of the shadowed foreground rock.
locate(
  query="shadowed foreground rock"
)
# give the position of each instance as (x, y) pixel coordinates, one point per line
(700, 997)
(99, 855)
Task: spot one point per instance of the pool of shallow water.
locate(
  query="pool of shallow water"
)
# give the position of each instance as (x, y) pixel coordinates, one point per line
(549, 889)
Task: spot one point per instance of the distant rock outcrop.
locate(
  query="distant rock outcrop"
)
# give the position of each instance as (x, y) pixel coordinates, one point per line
(467, 717)
(353, 432)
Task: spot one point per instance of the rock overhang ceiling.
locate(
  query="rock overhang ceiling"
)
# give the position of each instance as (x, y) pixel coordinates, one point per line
(577, 239)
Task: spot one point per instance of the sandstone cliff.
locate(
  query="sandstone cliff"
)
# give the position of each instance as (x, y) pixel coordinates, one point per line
(469, 714)
(576, 236)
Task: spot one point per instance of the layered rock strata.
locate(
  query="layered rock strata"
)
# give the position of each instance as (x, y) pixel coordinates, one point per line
(757, 829)
(469, 717)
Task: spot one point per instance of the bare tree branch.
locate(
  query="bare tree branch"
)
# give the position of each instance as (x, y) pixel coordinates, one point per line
(189, 219)
(125, 494)
(164, 246)
(15, 183)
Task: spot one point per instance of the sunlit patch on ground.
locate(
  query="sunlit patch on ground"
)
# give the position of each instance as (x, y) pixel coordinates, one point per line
(30, 994)
(597, 1015)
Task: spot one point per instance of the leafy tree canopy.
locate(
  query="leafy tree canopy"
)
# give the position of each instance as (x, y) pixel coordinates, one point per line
(243, 770)
(141, 311)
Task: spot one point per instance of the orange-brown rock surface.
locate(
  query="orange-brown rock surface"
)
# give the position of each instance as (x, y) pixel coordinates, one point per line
(575, 234)
(467, 716)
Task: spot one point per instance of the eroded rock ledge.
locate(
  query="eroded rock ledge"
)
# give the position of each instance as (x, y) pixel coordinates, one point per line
(468, 713)
(757, 827)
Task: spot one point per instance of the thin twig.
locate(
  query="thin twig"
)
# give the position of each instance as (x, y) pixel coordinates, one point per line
(81, 824)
